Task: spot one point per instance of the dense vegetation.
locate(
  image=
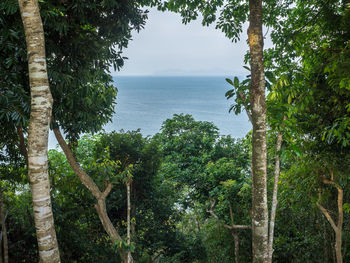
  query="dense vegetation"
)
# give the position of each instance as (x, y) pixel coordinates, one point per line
(186, 194)
(188, 183)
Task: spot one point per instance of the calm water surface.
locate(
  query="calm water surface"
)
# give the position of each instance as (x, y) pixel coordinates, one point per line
(145, 102)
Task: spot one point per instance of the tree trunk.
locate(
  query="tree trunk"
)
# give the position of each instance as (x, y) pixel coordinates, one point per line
(128, 238)
(274, 195)
(133, 215)
(236, 239)
(100, 206)
(338, 245)
(258, 106)
(40, 115)
(338, 234)
(4, 230)
(337, 228)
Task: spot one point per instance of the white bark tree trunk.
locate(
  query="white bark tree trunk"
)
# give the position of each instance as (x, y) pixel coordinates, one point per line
(128, 184)
(274, 195)
(40, 115)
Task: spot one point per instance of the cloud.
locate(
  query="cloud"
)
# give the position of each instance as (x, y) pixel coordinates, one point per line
(167, 47)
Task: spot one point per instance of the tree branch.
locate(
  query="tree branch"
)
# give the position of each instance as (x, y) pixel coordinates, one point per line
(230, 227)
(340, 196)
(100, 206)
(327, 215)
(84, 177)
(106, 191)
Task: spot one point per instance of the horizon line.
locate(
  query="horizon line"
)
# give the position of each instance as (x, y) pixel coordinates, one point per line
(185, 75)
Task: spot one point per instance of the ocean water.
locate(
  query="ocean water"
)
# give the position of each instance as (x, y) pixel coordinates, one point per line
(146, 102)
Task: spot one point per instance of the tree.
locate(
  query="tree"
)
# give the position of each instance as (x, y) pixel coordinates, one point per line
(213, 172)
(40, 117)
(152, 197)
(259, 158)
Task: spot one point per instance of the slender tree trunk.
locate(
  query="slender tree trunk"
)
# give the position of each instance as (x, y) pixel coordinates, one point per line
(133, 213)
(236, 239)
(4, 230)
(40, 115)
(128, 238)
(274, 195)
(258, 106)
(100, 196)
(334, 256)
(338, 234)
(338, 228)
(338, 245)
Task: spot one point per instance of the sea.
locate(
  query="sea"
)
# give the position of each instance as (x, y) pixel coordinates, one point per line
(145, 102)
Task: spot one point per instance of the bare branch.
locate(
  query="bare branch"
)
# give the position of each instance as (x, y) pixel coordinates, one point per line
(239, 227)
(106, 191)
(340, 196)
(100, 206)
(210, 210)
(230, 227)
(84, 177)
(327, 215)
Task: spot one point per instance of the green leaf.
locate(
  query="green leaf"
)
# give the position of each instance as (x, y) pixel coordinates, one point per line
(346, 208)
(229, 81)
(247, 68)
(236, 82)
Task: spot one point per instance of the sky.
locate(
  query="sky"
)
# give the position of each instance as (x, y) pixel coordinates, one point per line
(167, 47)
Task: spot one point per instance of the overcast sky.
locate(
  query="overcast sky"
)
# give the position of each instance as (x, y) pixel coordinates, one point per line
(167, 47)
